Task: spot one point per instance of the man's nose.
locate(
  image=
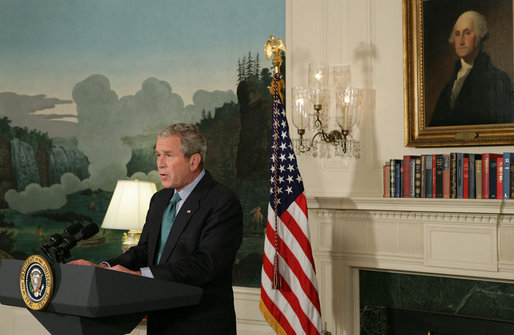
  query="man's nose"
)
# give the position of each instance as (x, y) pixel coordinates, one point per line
(160, 161)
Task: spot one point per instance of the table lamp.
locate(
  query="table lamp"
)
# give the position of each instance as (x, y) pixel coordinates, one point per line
(127, 209)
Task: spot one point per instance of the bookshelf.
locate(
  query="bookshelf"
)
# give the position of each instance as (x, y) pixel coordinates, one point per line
(456, 175)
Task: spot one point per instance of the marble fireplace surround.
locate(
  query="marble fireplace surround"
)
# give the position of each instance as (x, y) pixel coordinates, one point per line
(457, 238)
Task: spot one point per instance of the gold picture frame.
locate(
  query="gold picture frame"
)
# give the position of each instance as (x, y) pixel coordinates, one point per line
(420, 91)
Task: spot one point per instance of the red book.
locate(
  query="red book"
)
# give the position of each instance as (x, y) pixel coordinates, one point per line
(434, 158)
(406, 175)
(387, 179)
(446, 176)
(485, 176)
(465, 179)
(486, 160)
(499, 178)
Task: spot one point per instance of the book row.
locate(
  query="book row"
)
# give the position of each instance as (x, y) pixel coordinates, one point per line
(455, 175)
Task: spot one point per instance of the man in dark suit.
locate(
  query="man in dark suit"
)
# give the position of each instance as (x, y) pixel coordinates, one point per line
(478, 93)
(202, 242)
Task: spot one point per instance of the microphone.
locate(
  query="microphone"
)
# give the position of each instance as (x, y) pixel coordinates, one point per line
(63, 250)
(57, 239)
(71, 240)
(73, 229)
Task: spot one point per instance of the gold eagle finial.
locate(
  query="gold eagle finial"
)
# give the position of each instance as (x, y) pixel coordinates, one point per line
(273, 48)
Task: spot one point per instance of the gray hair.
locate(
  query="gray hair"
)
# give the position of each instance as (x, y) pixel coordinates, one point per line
(191, 140)
(479, 22)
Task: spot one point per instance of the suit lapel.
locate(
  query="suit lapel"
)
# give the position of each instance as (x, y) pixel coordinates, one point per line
(153, 235)
(185, 214)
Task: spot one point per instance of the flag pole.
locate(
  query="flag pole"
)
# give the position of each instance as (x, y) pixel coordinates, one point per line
(273, 49)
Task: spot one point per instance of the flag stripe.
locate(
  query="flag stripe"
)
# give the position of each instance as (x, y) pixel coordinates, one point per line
(303, 307)
(293, 221)
(289, 238)
(305, 284)
(268, 316)
(282, 308)
(291, 257)
(302, 204)
(294, 301)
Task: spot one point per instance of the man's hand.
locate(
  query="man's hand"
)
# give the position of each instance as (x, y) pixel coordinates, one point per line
(120, 268)
(87, 263)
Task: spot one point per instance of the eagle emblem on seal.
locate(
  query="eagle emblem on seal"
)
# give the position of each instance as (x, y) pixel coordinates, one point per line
(36, 282)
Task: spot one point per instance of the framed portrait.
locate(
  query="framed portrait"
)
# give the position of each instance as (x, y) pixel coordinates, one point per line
(458, 72)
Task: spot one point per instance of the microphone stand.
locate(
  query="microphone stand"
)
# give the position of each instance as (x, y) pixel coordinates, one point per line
(61, 254)
(46, 250)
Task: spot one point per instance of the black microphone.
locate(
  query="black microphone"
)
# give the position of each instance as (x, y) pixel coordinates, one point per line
(73, 229)
(57, 239)
(71, 240)
(54, 240)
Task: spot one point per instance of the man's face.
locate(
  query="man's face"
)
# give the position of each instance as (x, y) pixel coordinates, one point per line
(175, 170)
(465, 39)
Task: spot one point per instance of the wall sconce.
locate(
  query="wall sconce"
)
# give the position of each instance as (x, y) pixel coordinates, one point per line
(127, 209)
(348, 103)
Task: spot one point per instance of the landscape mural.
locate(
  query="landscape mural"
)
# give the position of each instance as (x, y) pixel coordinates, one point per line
(85, 86)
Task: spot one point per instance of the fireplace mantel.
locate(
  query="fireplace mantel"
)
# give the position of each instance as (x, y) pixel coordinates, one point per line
(463, 238)
(488, 206)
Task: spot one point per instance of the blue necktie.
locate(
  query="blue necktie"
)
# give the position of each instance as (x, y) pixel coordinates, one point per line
(167, 222)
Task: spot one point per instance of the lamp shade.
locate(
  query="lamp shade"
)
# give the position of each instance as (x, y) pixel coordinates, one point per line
(129, 204)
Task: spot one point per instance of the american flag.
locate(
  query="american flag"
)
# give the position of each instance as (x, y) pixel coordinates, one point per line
(289, 289)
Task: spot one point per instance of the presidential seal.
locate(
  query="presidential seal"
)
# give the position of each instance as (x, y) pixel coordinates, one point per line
(36, 282)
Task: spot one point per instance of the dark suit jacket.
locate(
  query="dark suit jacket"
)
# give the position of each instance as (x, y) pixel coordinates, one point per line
(200, 251)
(485, 98)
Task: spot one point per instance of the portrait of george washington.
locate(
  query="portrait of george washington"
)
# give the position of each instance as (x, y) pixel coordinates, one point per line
(469, 62)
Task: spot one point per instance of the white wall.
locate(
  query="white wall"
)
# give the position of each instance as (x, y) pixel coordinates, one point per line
(368, 35)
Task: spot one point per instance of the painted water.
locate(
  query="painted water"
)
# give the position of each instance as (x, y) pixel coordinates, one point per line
(31, 231)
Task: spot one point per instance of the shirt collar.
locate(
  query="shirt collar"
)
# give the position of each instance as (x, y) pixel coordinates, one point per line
(186, 191)
(464, 69)
(465, 66)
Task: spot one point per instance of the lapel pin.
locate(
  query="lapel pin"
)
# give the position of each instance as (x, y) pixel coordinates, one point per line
(188, 211)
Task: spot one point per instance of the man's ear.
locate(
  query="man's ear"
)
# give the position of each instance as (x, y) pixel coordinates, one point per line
(195, 161)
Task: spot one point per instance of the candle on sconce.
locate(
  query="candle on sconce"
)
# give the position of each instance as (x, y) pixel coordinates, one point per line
(300, 108)
(346, 116)
(347, 107)
(300, 104)
(346, 113)
(318, 81)
(318, 76)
